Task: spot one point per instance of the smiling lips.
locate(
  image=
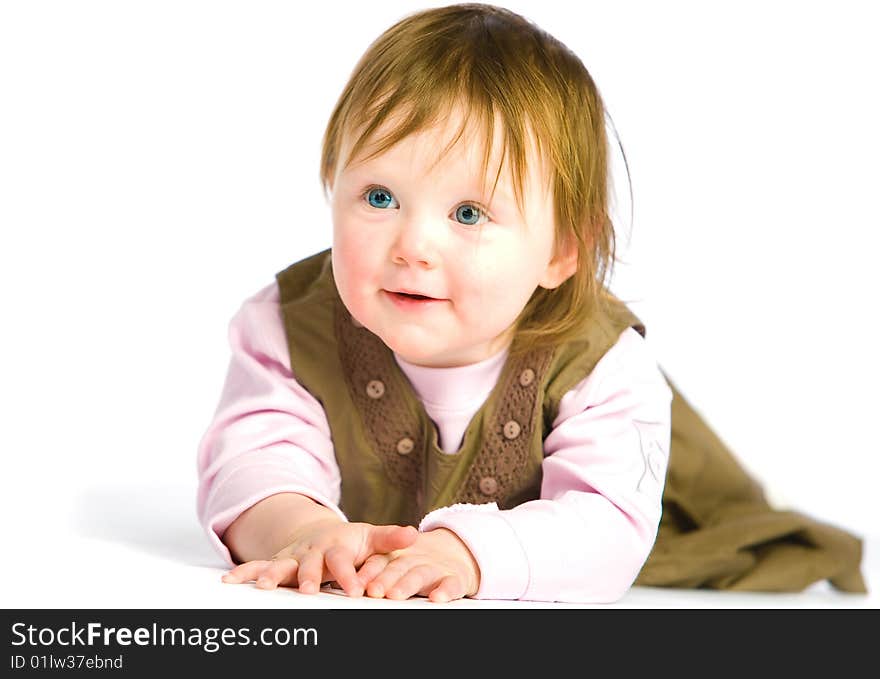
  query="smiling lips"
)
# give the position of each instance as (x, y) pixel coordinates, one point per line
(410, 293)
(408, 300)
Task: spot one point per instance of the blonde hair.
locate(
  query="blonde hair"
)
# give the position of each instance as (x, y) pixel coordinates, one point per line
(494, 62)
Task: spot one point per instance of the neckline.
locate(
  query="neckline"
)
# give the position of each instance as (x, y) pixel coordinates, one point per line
(456, 388)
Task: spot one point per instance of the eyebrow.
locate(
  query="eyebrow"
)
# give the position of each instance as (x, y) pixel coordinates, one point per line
(501, 192)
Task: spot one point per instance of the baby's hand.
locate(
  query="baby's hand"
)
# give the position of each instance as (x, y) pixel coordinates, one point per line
(324, 550)
(437, 565)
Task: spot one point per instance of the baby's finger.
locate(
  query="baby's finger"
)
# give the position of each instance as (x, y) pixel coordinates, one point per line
(249, 570)
(340, 563)
(383, 539)
(451, 587)
(395, 570)
(372, 567)
(311, 571)
(412, 582)
(278, 572)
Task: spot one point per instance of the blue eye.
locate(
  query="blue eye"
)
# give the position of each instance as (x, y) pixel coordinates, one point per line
(470, 215)
(380, 198)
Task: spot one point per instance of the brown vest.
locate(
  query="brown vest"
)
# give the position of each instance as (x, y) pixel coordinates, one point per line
(717, 533)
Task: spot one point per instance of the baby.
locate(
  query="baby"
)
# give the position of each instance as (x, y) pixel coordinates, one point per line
(448, 402)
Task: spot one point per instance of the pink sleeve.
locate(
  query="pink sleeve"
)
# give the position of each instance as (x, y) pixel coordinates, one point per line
(268, 434)
(586, 539)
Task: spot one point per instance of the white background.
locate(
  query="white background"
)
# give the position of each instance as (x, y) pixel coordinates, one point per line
(159, 163)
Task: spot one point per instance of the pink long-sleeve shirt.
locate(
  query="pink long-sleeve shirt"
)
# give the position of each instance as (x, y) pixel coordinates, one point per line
(584, 540)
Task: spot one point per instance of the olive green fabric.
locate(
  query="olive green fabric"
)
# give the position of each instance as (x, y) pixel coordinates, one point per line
(717, 530)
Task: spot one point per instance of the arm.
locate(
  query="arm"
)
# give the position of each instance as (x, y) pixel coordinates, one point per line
(588, 536)
(268, 478)
(266, 461)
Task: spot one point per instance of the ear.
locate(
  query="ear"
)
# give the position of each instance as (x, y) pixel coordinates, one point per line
(562, 266)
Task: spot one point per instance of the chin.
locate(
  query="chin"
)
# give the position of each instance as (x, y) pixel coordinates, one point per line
(412, 351)
(415, 350)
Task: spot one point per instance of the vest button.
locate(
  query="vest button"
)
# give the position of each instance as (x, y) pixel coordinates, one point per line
(405, 445)
(512, 429)
(356, 323)
(488, 485)
(526, 377)
(375, 389)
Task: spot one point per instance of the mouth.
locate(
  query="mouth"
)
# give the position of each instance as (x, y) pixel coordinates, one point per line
(411, 295)
(412, 300)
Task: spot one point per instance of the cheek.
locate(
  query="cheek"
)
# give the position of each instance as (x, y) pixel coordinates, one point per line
(346, 266)
(354, 250)
(499, 284)
(350, 270)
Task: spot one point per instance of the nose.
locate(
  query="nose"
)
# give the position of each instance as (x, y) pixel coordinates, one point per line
(416, 243)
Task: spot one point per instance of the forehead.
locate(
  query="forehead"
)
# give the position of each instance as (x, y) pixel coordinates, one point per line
(454, 136)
